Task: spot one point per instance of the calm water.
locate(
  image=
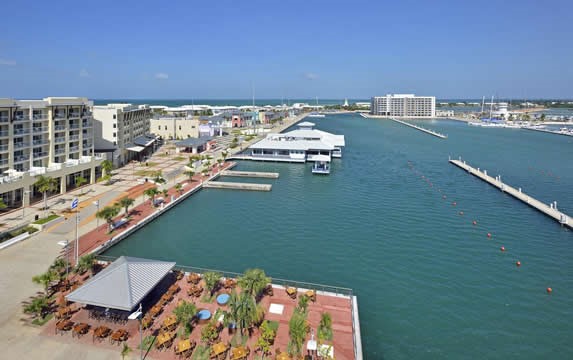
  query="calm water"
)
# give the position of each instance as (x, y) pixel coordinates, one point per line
(430, 285)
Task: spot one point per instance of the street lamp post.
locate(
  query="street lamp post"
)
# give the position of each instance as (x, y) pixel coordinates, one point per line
(138, 315)
(24, 193)
(96, 204)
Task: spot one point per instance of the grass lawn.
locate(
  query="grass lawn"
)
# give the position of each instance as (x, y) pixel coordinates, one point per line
(46, 219)
(179, 158)
(144, 173)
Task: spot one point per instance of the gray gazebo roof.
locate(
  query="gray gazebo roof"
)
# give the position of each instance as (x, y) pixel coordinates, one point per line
(193, 142)
(123, 284)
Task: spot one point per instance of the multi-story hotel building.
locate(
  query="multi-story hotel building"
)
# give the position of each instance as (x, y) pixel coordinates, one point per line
(124, 130)
(404, 105)
(51, 137)
(175, 128)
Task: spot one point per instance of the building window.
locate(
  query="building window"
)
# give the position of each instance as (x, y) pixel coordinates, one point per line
(114, 125)
(115, 142)
(114, 135)
(179, 127)
(165, 127)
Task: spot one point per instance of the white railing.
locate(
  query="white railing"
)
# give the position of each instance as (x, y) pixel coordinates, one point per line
(74, 148)
(74, 137)
(40, 117)
(3, 147)
(38, 155)
(60, 151)
(39, 129)
(60, 127)
(20, 145)
(3, 133)
(59, 140)
(54, 167)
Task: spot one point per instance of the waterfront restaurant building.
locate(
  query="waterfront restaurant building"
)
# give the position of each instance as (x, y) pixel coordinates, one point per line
(51, 137)
(404, 105)
(301, 145)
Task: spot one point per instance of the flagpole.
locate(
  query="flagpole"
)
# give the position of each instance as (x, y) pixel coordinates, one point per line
(77, 239)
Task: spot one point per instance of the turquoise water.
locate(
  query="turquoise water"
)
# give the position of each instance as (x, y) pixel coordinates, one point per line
(430, 285)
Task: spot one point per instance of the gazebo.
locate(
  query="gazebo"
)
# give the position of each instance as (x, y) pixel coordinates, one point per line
(123, 284)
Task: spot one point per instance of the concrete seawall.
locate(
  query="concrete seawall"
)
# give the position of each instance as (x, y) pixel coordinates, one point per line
(252, 174)
(236, 186)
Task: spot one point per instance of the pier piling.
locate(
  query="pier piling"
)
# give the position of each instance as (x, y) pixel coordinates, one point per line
(427, 131)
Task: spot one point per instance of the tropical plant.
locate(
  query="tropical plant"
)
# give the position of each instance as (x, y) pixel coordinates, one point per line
(151, 193)
(45, 184)
(303, 303)
(220, 162)
(201, 352)
(157, 177)
(85, 263)
(190, 174)
(179, 188)
(224, 154)
(107, 214)
(165, 193)
(60, 265)
(125, 202)
(125, 350)
(298, 329)
(2, 204)
(39, 306)
(324, 330)
(244, 310)
(80, 180)
(46, 279)
(267, 337)
(209, 333)
(185, 313)
(254, 281)
(107, 167)
(211, 280)
(205, 171)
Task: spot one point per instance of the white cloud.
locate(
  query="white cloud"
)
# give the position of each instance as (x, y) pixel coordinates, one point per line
(310, 76)
(7, 62)
(162, 76)
(84, 73)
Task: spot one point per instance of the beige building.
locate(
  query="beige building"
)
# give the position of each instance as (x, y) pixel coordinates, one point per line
(51, 137)
(175, 128)
(122, 128)
(404, 105)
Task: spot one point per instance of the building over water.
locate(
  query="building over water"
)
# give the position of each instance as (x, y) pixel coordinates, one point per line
(51, 137)
(404, 105)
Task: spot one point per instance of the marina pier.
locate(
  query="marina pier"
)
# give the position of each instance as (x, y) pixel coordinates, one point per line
(252, 174)
(427, 131)
(236, 186)
(549, 210)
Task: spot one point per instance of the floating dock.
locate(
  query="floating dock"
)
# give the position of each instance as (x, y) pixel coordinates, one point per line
(252, 174)
(427, 131)
(548, 131)
(236, 186)
(549, 210)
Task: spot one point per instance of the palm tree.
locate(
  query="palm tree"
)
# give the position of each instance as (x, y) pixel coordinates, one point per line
(45, 184)
(211, 280)
(157, 177)
(324, 330)
(298, 329)
(165, 193)
(179, 188)
(2, 204)
(244, 311)
(46, 279)
(224, 154)
(85, 263)
(254, 281)
(107, 167)
(107, 214)
(125, 202)
(60, 265)
(151, 193)
(190, 174)
(80, 180)
(125, 351)
(185, 312)
(39, 306)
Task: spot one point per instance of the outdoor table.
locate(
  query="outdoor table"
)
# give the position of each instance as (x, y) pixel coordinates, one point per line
(311, 294)
(223, 299)
(219, 348)
(230, 283)
(102, 332)
(119, 335)
(146, 321)
(63, 312)
(173, 289)
(182, 346)
(291, 291)
(155, 310)
(239, 353)
(64, 325)
(164, 338)
(169, 321)
(283, 356)
(193, 278)
(167, 297)
(81, 329)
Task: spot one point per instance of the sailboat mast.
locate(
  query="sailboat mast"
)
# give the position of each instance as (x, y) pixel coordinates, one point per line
(491, 108)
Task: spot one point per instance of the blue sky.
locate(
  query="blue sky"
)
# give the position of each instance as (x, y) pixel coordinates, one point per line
(295, 49)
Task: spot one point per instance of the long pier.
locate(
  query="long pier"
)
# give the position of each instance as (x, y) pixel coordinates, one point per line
(236, 186)
(427, 131)
(252, 174)
(549, 210)
(547, 131)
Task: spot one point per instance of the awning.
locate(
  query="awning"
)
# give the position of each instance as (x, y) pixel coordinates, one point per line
(123, 284)
(135, 148)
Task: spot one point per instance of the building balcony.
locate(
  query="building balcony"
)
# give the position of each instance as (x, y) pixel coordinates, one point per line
(87, 114)
(4, 119)
(3, 148)
(39, 117)
(59, 115)
(21, 117)
(40, 142)
(74, 126)
(21, 131)
(21, 158)
(3, 162)
(60, 127)
(86, 124)
(60, 140)
(20, 145)
(3, 134)
(39, 155)
(40, 129)
(74, 137)
(60, 151)
(74, 149)
(74, 114)
(87, 145)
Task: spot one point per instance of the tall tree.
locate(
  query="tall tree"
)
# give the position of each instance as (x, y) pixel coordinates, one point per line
(244, 311)
(45, 184)
(107, 214)
(211, 280)
(125, 202)
(179, 188)
(107, 167)
(298, 328)
(185, 312)
(254, 281)
(46, 279)
(151, 193)
(80, 180)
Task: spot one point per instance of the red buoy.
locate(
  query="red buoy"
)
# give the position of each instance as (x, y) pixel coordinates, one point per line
(474, 222)
(488, 235)
(549, 290)
(502, 248)
(518, 263)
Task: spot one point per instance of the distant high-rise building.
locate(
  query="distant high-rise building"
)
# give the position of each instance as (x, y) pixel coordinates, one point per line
(404, 105)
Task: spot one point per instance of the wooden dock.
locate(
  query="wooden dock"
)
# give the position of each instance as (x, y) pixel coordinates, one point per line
(549, 210)
(427, 131)
(236, 186)
(252, 174)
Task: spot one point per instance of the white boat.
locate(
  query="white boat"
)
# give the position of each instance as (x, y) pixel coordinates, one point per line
(315, 115)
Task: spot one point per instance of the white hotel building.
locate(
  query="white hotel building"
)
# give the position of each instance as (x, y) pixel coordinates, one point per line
(404, 105)
(51, 137)
(122, 130)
